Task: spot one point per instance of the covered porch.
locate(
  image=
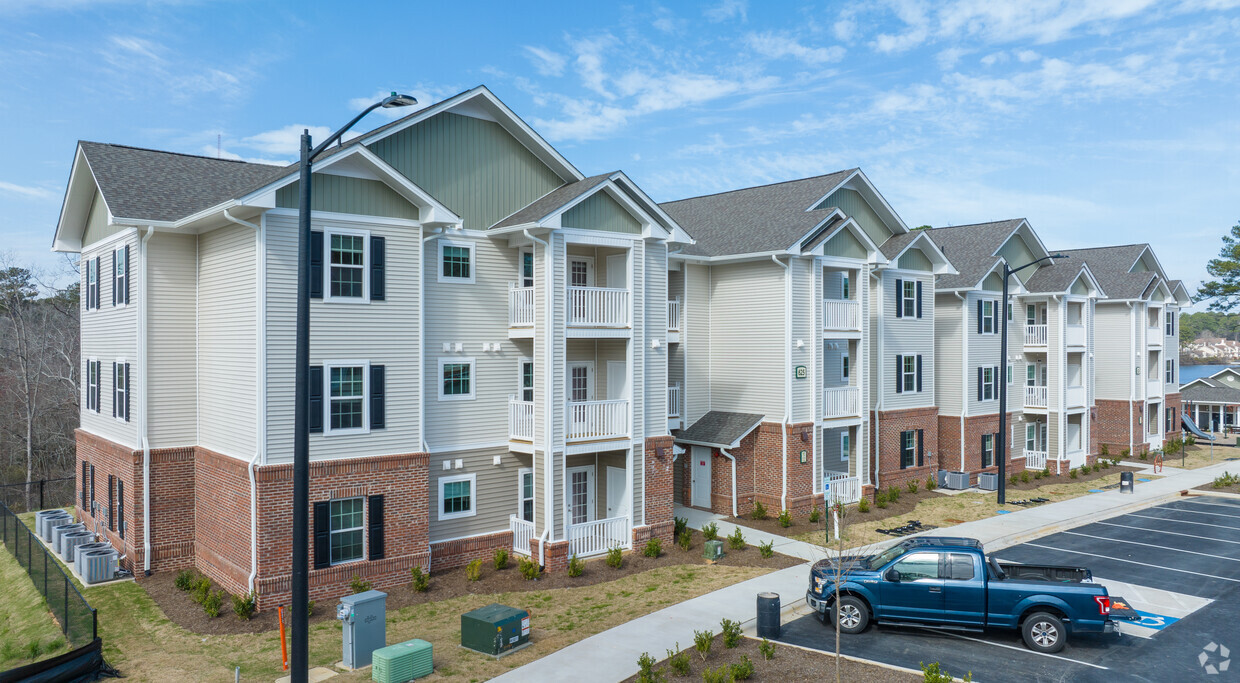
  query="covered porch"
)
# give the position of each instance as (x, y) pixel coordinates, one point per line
(597, 506)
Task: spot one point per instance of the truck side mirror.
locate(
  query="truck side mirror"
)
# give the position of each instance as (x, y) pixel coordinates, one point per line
(893, 576)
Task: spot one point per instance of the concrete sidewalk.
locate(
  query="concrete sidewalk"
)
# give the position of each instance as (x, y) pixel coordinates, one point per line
(782, 544)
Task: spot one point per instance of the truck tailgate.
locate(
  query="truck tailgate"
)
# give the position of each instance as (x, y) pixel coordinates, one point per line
(1122, 611)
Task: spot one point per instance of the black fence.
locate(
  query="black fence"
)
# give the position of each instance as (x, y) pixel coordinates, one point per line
(78, 620)
(39, 494)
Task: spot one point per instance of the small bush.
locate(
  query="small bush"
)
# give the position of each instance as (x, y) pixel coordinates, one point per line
(529, 569)
(1106, 465)
(759, 510)
(863, 505)
(201, 590)
(646, 672)
(1103, 450)
(359, 585)
(1037, 474)
(309, 608)
(244, 605)
(473, 570)
(880, 499)
(742, 670)
(212, 604)
(785, 519)
(615, 558)
(685, 540)
(421, 580)
(1014, 479)
(678, 661)
(767, 550)
(710, 532)
(1123, 455)
(731, 633)
(576, 566)
(736, 540)
(701, 643)
(814, 515)
(1190, 440)
(721, 675)
(1046, 472)
(1224, 480)
(932, 673)
(893, 493)
(654, 548)
(912, 486)
(682, 525)
(1084, 470)
(1024, 477)
(1072, 473)
(501, 559)
(185, 579)
(931, 484)
(767, 648)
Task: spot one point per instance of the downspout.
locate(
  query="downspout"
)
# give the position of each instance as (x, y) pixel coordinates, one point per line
(964, 366)
(724, 452)
(1132, 353)
(783, 432)
(142, 374)
(548, 382)
(426, 448)
(878, 407)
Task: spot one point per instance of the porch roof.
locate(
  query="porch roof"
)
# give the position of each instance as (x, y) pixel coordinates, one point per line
(1207, 390)
(721, 429)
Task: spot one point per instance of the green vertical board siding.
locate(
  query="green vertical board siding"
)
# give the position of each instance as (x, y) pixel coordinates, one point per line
(1018, 253)
(1139, 267)
(1079, 286)
(600, 212)
(914, 259)
(97, 226)
(472, 166)
(344, 194)
(852, 203)
(993, 283)
(845, 244)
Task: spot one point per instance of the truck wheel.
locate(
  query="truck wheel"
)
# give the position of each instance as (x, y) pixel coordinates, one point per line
(1043, 632)
(850, 614)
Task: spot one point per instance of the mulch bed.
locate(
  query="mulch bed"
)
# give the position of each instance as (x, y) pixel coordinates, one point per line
(450, 583)
(789, 664)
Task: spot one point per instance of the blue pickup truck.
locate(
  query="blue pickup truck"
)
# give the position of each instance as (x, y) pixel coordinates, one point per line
(951, 583)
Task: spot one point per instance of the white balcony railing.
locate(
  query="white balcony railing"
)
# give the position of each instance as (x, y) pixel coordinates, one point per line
(599, 536)
(1075, 335)
(1036, 397)
(520, 306)
(673, 315)
(673, 400)
(520, 419)
(1035, 460)
(1153, 388)
(598, 307)
(841, 488)
(1074, 397)
(1154, 336)
(841, 402)
(1035, 335)
(522, 534)
(841, 314)
(598, 419)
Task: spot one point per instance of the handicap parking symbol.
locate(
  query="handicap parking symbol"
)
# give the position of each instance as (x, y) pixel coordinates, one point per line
(1154, 621)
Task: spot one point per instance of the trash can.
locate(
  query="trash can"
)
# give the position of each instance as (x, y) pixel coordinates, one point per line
(768, 615)
(1125, 482)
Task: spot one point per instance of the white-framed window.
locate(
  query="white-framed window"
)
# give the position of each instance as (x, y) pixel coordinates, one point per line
(525, 494)
(348, 538)
(1031, 375)
(909, 373)
(93, 371)
(908, 448)
(580, 494)
(580, 382)
(456, 379)
(908, 298)
(456, 261)
(456, 496)
(1009, 374)
(990, 384)
(1031, 314)
(844, 369)
(1170, 323)
(988, 316)
(1031, 437)
(527, 267)
(1009, 312)
(120, 390)
(348, 255)
(988, 450)
(92, 281)
(845, 446)
(1170, 371)
(526, 380)
(845, 284)
(346, 391)
(580, 271)
(120, 276)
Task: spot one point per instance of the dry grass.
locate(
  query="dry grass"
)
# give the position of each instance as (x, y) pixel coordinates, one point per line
(27, 626)
(1196, 456)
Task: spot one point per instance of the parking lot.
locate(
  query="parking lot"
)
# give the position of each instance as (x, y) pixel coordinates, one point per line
(1177, 563)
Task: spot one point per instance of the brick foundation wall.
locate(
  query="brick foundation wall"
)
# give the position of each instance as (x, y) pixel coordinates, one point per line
(890, 424)
(556, 557)
(221, 492)
(800, 475)
(462, 551)
(974, 427)
(657, 491)
(1174, 401)
(111, 459)
(1115, 418)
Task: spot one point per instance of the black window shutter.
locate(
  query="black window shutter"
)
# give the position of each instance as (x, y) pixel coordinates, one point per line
(111, 502)
(995, 382)
(120, 507)
(322, 535)
(126, 273)
(378, 256)
(377, 402)
(919, 372)
(115, 289)
(316, 264)
(92, 490)
(85, 478)
(899, 298)
(979, 383)
(919, 298)
(979, 316)
(127, 383)
(114, 390)
(983, 451)
(899, 374)
(315, 390)
(375, 538)
(921, 447)
(98, 385)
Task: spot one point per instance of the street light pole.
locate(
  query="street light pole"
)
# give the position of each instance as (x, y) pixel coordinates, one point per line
(1001, 447)
(299, 614)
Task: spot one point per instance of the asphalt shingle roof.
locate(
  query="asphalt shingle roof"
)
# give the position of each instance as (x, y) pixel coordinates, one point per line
(1057, 276)
(1212, 392)
(754, 219)
(971, 248)
(1110, 266)
(553, 200)
(722, 429)
(165, 186)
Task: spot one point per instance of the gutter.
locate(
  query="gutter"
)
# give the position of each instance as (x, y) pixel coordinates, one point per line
(964, 366)
(724, 452)
(783, 432)
(142, 398)
(1132, 391)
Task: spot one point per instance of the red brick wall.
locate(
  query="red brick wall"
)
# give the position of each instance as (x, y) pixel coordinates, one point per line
(800, 475)
(658, 493)
(110, 458)
(974, 427)
(1115, 418)
(222, 519)
(949, 442)
(890, 424)
(462, 551)
(556, 557)
(1174, 401)
(172, 508)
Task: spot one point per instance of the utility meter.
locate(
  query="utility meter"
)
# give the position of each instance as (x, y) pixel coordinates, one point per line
(344, 613)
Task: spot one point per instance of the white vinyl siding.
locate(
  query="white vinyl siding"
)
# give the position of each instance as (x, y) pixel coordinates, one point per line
(227, 341)
(905, 336)
(171, 352)
(1115, 334)
(696, 341)
(109, 333)
(949, 353)
(653, 376)
(747, 313)
(805, 302)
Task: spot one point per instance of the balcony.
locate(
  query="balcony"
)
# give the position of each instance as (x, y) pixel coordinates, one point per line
(598, 420)
(1035, 460)
(1074, 397)
(520, 306)
(598, 307)
(673, 315)
(1154, 336)
(838, 487)
(1153, 388)
(1036, 397)
(841, 314)
(520, 420)
(673, 401)
(841, 402)
(599, 536)
(1075, 335)
(1035, 335)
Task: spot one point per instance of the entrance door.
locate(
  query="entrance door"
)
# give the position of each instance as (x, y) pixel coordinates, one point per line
(616, 488)
(617, 380)
(580, 494)
(699, 483)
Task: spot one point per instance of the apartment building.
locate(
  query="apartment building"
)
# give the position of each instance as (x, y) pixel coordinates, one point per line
(489, 353)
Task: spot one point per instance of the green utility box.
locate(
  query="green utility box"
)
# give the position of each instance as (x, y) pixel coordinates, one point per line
(495, 629)
(714, 550)
(402, 662)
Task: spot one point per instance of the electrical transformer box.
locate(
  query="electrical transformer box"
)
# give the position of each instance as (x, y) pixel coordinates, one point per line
(495, 629)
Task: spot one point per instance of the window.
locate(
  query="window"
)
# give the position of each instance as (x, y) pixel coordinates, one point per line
(909, 373)
(988, 450)
(346, 392)
(120, 276)
(1009, 375)
(346, 530)
(580, 386)
(1170, 324)
(120, 390)
(908, 298)
(456, 379)
(918, 566)
(456, 496)
(959, 567)
(456, 261)
(581, 272)
(347, 265)
(1170, 372)
(93, 371)
(1171, 427)
(988, 390)
(908, 448)
(1031, 314)
(92, 283)
(846, 286)
(527, 267)
(1009, 312)
(527, 381)
(845, 446)
(1031, 437)
(988, 316)
(1031, 375)
(525, 493)
(580, 494)
(844, 365)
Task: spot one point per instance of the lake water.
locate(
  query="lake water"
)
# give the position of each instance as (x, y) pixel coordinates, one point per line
(1189, 373)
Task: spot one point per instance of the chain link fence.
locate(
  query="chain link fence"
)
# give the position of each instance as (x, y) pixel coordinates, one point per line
(77, 619)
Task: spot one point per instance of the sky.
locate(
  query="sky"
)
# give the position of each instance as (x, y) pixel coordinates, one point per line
(1100, 122)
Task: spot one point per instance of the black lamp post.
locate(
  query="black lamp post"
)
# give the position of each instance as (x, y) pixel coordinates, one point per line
(1001, 447)
(299, 617)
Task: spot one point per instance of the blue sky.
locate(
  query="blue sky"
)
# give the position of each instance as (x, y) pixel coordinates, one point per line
(1100, 122)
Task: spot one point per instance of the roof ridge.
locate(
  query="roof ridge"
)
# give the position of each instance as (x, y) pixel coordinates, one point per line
(974, 225)
(755, 187)
(180, 154)
(1111, 246)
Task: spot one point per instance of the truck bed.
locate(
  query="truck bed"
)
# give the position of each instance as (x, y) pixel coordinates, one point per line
(1044, 572)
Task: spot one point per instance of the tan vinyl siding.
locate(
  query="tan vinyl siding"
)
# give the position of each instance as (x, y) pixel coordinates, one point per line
(803, 304)
(949, 353)
(598, 353)
(109, 333)
(495, 494)
(600, 211)
(747, 313)
(656, 366)
(473, 166)
(380, 332)
(854, 205)
(844, 244)
(907, 336)
(172, 262)
(97, 227)
(227, 351)
(696, 341)
(641, 352)
(914, 259)
(1017, 253)
(1113, 353)
(346, 194)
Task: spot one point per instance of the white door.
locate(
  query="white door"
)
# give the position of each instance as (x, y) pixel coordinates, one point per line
(580, 494)
(580, 389)
(618, 271)
(616, 490)
(699, 481)
(580, 271)
(617, 380)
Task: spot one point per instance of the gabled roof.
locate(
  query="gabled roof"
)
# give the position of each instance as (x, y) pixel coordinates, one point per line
(1059, 276)
(554, 200)
(973, 250)
(720, 429)
(1180, 292)
(1206, 390)
(896, 245)
(1112, 267)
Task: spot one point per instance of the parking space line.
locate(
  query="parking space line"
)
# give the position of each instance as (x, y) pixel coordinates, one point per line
(1143, 564)
(1013, 647)
(1151, 545)
(1182, 521)
(1169, 533)
(1217, 505)
(1199, 512)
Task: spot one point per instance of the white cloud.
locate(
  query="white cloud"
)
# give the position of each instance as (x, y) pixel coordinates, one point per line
(728, 9)
(948, 58)
(994, 58)
(27, 191)
(212, 151)
(545, 62)
(1026, 56)
(137, 46)
(589, 62)
(286, 141)
(779, 45)
(845, 27)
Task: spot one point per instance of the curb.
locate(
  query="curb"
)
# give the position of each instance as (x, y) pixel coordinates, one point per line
(1089, 518)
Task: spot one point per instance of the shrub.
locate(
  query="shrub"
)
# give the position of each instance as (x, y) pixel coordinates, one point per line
(1123, 455)
(1103, 450)
(1084, 470)
(931, 484)
(767, 648)
(501, 559)
(615, 558)
(211, 605)
(932, 673)
(736, 540)
(731, 633)
(785, 519)
(654, 548)
(893, 493)
(529, 569)
(684, 540)
(678, 661)
(701, 643)
(1105, 464)
(742, 670)
(880, 499)
(721, 675)
(473, 570)
(576, 566)
(814, 515)
(912, 486)
(682, 525)
(1046, 472)
(359, 585)
(1024, 477)
(1225, 479)
(185, 579)
(646, 672)
(1072, 473)
(767, 550)
(1014, 478)
(1190, 440)
(201, 590)
(421, 580)
(710, 532)
(244, 605)
(863, 505)
(309, 608)
(759, 510)
(1037, 475)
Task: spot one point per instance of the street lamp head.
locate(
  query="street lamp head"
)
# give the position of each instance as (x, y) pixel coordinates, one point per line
(1059, 256)
(395, 100)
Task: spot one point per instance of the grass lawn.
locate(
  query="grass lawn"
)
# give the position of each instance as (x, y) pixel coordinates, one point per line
(28, 633)
(1197, 455)
(946, 511)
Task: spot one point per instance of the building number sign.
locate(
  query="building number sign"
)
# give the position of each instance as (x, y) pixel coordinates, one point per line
(800, 372)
